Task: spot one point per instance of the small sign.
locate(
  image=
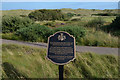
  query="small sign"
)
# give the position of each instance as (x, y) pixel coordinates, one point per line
(61, 48)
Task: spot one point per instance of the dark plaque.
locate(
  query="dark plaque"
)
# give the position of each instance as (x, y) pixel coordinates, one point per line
(61, 48)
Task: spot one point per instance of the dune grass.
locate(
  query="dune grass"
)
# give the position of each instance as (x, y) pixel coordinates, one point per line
(17, 12)
(9, 36)
(107, 19)
(30, 62)
(98, 38)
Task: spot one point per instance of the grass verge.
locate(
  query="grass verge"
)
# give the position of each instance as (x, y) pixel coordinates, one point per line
(29, 62)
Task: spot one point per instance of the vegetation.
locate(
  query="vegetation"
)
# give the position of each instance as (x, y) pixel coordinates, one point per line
(10, 36)
(75, 19)
(88, 30)
(76, 31)
(89, 27)
(54, 23)
(90, 37)
(71, 14)
(17, 12)
(34, 32)
(30, 62)
(86, 12)
(13, 23)
(106, 14)
(40, 15)
(96, 23)
(98, 38)
(114, 27)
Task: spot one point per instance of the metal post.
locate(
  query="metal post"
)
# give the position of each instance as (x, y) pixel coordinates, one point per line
(61, 67)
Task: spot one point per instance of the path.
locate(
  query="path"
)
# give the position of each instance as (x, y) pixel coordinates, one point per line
(99, 50)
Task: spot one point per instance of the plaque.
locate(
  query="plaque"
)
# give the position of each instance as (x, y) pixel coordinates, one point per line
(61, 48)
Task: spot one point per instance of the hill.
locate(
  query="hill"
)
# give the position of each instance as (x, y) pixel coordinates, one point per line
(30, 62)
(83, 12)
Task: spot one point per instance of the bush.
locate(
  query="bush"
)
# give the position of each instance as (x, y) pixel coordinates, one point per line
(114, 27)
(78, 15)
(97, 22)
(106, 14)
(76, 19)
(34, 32)
(71, 14)
(12, 24)
(76, 31)
(52, 24)
(40, 15)
(23, 16)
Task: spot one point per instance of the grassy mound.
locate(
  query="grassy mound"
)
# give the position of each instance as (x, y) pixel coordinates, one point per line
(30, 62)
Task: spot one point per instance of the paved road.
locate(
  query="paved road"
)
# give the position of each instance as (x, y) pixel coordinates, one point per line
(99, 50)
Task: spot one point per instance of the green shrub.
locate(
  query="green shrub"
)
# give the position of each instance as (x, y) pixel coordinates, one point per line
(10, 36)
(12, 24)
(97, 22)
(35, 32)
(114, 27)
(106, 14)
(77, 31)
(52, 24)
(78, 15)
(23, 16)
(40, 15)
(76, 19)
(75, 23)
(71, 14)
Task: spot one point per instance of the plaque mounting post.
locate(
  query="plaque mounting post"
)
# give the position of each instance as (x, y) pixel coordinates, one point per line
(61, 68)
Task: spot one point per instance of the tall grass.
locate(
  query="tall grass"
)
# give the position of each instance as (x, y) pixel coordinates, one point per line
(99, 38)
(10, 36)
(16, 12)
(31, 62)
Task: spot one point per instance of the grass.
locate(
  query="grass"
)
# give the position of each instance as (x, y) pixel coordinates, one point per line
(92, 38)
(9, 36)
(98, 38)
(107, 19)
(30, 62)
(17, 12)
(83, 12)
(86, 12)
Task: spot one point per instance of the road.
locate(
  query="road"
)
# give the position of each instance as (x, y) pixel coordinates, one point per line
(98, 50)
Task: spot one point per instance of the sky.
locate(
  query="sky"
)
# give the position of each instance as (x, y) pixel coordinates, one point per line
(60, 0)
(58, 5)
